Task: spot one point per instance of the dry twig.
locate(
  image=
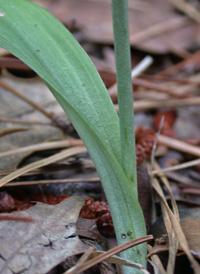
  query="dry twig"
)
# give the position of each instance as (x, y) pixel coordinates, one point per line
(43, 146)
(179, 145)
(113, 251)
(188, 9)
(49, 160)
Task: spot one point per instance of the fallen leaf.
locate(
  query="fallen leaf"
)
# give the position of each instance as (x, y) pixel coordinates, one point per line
(36, 248)
(162, 30)
(87, 228)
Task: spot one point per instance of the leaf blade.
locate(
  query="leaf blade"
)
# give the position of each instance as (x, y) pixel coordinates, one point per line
(69, 72)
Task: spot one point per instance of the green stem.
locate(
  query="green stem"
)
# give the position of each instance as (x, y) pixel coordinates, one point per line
(127, 137)
(124, 86)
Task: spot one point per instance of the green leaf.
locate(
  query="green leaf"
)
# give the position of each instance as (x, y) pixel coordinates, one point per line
(43, 43)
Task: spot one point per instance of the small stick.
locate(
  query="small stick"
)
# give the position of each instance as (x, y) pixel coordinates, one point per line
(167, 78)
(27, 100)
(18, 121)
(43, 146)
(139, 69)
(4, 217)
(157, 29)
(188, 9)
(191, 190)
(177, 227)
(58, 181)
(179, 145)
(155, 262)
(158, 88)
(144, 105)
(177, 167)
(142, 66)
(114, 251)
(81, 261)
(35, 172)
(194, 59)
(176, 49)
(7, 131)
(41, 163)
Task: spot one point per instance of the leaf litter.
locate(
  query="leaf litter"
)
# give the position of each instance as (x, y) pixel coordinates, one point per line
(165, 89)
(38, 247)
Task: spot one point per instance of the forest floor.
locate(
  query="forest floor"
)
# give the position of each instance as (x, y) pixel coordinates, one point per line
(165, 35)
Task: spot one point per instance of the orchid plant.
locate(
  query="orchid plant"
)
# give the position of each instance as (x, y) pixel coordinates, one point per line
(37, 38)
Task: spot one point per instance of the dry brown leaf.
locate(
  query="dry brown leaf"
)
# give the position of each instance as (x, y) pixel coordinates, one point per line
(88, 229)
(160, 21)
(36, 248)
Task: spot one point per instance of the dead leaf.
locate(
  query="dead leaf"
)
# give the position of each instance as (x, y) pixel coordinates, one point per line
(36, 248)
(13, 107)
(161, 23)
(87, 228)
